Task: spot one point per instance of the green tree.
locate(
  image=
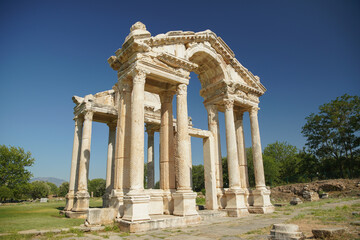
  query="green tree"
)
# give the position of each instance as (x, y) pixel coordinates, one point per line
(39, 189)
(97, 186)
(271, 169)
(5, 193)
(63, 189)
(198, 178)
(333, 136)
(225, 172)
(53, 188)
(281, 162)
(13, 163)
(309, 166)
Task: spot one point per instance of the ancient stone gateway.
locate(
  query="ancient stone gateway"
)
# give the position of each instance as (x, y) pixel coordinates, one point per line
(151, 70)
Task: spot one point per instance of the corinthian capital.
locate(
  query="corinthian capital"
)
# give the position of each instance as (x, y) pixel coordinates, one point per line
(182, 89)
(139, 76)
(229, 104)
(253, 111)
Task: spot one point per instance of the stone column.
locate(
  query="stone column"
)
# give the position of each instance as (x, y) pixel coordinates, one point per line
(82, 195)
(256, 150)
(136, 202)
(167, 163)
(213, 125)
(184, 198)
(239, 128)
(74, 163)
(232, 158)
(150, 160)
(261, 196)
(235, 196)
(122, 139)
(110, 164)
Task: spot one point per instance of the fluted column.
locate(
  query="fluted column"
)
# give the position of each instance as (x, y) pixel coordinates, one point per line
(82, 195)
(239, 128)
(213, 125)
(136, 202)
(235, 196)
(183, 139)
(184, 198)
(74, 163)
(137, 133)
(256, 150)
(231, 146)
(150, 160)
(167, 175)
(260, 197)
(110, 164)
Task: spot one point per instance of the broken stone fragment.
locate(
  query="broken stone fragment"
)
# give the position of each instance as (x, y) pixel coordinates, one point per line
(325, 233)
(295, 201)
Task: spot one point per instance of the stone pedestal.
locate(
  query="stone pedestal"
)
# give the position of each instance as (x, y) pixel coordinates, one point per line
(81, 202)
(185, 203)
(236, 206)
(117, 201)
(286, 231)
(262, 202)
(168, 202)
(136, 207)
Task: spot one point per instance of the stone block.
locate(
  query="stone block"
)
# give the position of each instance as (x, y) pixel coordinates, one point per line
(324, 233)
(310, 195)
(286, 232)
(97, 216)
(295, 201)
(43, 200)
(156, 202)
(236, 206)
(136, 207)
(81, 203)
(185, 203)
(355, 223)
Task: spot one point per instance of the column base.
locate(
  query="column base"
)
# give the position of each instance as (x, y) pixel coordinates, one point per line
(81, 203)
(261, 201)
(69, 201)
(184, 203)
(221, 197)
(236, 203)
(117, 201)
(168, 202)
(136, 207)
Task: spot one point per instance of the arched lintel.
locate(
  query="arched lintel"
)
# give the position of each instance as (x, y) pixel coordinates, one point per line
(201, 48)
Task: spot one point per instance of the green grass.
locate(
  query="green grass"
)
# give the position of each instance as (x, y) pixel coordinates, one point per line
(339, 214)
(25, 216)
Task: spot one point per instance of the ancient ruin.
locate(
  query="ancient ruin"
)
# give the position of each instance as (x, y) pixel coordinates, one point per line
(152, 70)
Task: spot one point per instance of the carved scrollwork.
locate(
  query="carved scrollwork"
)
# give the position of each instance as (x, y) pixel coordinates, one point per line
(182, 89)
(212, 113)
(229, 104)
(139, 76)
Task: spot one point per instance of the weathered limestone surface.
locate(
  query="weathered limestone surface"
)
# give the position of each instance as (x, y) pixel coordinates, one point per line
(150, 71)
(286, 231)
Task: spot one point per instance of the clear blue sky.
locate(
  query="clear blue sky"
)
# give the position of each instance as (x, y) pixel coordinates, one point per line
(305, 52)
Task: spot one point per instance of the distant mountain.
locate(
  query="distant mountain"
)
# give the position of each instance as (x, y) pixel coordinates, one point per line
(56, 181)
